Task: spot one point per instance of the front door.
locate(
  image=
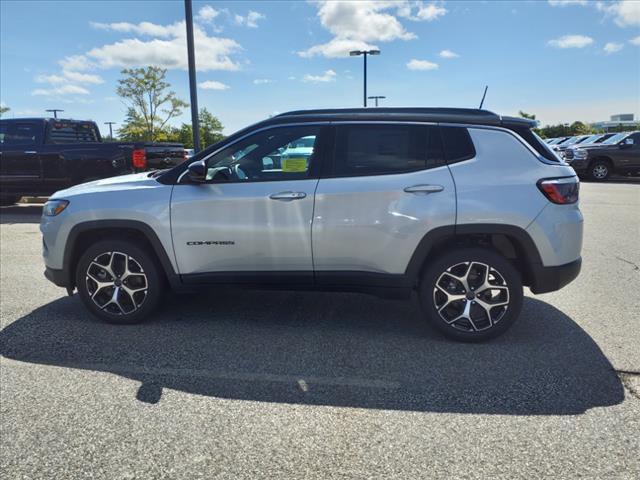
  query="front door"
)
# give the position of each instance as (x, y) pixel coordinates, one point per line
(251, 220)
(20, 160)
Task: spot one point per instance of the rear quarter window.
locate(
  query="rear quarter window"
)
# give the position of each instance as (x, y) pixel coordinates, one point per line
(72, 132)
(457, 143)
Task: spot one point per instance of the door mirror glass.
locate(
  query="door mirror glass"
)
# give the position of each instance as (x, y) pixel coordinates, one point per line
(198, 172)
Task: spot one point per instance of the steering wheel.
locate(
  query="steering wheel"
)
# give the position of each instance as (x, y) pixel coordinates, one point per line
(239, 173)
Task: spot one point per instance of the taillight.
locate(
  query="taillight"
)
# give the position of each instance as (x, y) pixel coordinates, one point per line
(560, 190)
(139, 158)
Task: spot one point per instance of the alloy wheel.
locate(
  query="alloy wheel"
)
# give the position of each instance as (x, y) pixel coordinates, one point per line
(471, 296)
(600, 171)
(116, 283)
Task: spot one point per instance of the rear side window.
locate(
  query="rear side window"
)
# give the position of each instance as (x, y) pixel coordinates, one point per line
(70, 132)
(385, 149)
(457, 144)
(18, 134)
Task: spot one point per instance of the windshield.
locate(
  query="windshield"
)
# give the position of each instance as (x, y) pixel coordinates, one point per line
(615, 139)
(591, 139)
(573, 140)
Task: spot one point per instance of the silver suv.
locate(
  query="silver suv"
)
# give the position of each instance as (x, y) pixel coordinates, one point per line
(462, 206)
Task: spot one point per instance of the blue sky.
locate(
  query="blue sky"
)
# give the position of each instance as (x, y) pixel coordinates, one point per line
(563, 60)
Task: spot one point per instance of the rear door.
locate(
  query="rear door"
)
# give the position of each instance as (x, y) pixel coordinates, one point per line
(20, 161)
(251, 221)
(387, 187)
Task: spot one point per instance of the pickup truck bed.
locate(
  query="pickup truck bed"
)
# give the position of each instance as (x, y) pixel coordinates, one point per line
(41, 155)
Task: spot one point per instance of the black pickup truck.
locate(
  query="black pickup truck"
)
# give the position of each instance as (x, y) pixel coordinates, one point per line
(41, 155)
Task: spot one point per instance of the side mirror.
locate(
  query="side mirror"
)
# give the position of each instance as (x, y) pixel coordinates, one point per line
(198, 172)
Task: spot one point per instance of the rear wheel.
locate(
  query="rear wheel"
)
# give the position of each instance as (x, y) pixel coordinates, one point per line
(471, 294)
(118, 281)
(600, 170)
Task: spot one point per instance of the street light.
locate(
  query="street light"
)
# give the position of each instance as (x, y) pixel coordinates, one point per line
(55, 111)
(191, 57)
(110, 129)
(357, 53)
(376, 98)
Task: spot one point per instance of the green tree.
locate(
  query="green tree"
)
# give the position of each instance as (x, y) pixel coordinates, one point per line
(151, 102)
(530, 116)
(3, 109)
(579, 128)
(210, 131)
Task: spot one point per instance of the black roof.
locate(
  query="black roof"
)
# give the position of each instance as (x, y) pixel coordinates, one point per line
(422, 114)
(46, 119)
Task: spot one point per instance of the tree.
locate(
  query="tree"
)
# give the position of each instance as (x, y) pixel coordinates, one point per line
(530, 116)
(3, 109)
(151, 103)
(210, 131)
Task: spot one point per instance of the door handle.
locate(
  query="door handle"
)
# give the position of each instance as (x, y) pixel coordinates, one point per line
(30, 152)
(287, 196)
(424, 189)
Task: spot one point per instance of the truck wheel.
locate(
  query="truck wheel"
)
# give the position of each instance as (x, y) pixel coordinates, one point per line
(471, 294)
(600, 170)
(119, 282)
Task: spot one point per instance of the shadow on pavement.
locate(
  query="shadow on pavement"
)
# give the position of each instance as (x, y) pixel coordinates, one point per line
(20, 214)
(327, 349)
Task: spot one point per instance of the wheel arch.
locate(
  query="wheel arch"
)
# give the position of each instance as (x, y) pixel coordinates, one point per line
(86, 233)
(512, 242)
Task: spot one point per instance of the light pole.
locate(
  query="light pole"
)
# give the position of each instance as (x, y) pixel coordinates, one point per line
(195, 124)
(364, 53)
(110, 129)
(376, 98)
(55, 111)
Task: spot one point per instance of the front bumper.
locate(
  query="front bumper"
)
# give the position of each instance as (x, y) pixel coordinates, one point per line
(550, 279)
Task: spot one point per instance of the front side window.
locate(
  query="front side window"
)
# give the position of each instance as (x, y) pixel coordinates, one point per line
(386, 149)
(280, 153)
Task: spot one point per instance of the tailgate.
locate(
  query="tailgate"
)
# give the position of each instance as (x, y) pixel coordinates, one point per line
(164, 156)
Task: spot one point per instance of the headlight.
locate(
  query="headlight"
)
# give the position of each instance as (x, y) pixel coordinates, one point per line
(580, 154)
(54, 207)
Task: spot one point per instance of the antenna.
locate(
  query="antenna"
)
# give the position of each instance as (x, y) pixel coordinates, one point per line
(486, 87)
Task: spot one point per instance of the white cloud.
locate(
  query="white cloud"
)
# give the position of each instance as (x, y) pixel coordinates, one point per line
(612, 47)
(207, 13)
(213, 85)
(428, 13)
(262, 81)
(626, 13)
(448, 54)
(76, 62)
(60, 91)
(212, 53)
(421, 65)
(571, 41)
(82, 77)
(142, 28)
(327, 76)
(635, 40)
(357, 25)
(564, 3)
(250, 20)
(52, 79)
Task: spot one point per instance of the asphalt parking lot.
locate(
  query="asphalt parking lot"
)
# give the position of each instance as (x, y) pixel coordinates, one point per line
(318, 385)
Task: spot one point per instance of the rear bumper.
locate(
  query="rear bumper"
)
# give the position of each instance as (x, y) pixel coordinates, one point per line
(550, 279)
(59, 277)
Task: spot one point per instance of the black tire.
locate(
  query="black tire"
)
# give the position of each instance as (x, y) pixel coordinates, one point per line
(600, 170)
(132, 308)
(508, 288)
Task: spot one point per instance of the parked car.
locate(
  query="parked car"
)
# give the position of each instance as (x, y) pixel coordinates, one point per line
(460, 205)
(577, 140)
(592, 140)
(619, 154)
(41, 155)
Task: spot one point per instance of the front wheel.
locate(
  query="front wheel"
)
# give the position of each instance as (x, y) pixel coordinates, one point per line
(119, 282)
(471, 294)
